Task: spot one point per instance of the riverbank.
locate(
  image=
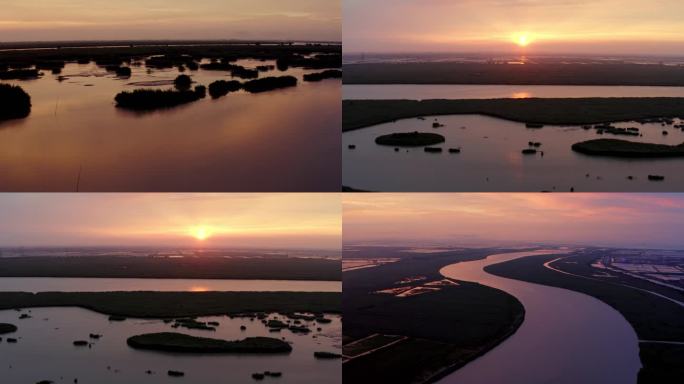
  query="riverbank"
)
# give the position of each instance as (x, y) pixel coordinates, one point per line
(574, 111)
(178, 304)
(383, 344)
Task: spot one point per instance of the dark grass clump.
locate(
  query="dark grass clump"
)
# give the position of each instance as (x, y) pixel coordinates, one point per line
(178, 342)
(15, 103)
(410, 139)
(123, 71)
(7, 328)
(624, 148)
(221, 88)
(269, 83)
(329, 74)
(183, 83)
(149, 99)
(244, 73)
(20, 74)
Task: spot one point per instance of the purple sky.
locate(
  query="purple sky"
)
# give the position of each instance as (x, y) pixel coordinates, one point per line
(602, 219)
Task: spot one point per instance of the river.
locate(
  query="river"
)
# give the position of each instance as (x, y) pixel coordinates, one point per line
(566, 337)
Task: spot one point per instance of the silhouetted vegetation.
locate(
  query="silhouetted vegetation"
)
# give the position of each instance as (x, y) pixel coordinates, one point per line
(183, 83)
(244, 73)
(7, 328)
(319, 61)
(269, 83)
(263, 266)
(178, 342)
(123, 71)
(624, 148)
(19, 74)
(329, 74)
(410, 139)
(327, 355)
(573, 111)
(15, 103)
(662, 363)
(201, 91)
(177, 304)
(151, 99)
(221, 88)
(528, 74)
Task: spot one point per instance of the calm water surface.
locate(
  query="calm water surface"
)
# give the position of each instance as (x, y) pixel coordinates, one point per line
(459, 91)
(283, 140)
(66, 284)
(45, 351)
(566, 337)
(491, 159)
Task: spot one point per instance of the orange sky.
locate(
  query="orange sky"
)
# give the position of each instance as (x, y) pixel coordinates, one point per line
(550, 26)
(628, 220)
(224, 220)
(31, 20)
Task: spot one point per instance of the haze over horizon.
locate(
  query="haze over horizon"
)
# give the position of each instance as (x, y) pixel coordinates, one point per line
(600, 219)
(75, 20)
(525, 27)
(253, 220)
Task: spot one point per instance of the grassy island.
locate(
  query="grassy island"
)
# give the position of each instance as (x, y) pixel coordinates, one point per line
(573, 111)
(318, 76)
(152, 99)
(7, 328)
(15, 103)
(221, 88)
(178, 342)
(19, 74)
(624, 148)
(410, 139)
(269, 83)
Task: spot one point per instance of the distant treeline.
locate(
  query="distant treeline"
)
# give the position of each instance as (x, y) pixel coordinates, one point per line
(168, 56)
(267, 268)
(15, 103)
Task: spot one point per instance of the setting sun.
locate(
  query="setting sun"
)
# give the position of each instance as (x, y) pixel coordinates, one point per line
(200, 233)
(522, 40)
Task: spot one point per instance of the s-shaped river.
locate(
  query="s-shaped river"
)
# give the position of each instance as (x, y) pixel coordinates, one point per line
(566, 337)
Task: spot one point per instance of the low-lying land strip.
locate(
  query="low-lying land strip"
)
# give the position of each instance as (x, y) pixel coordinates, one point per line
(178, 304)
(405, 324)
(624, 148)
(573, 111)
(178, 342)
(206, 267)
(528, 74)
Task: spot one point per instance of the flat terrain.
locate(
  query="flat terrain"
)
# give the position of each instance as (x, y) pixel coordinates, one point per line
(423, 336)
(625, 148)
(528, 74)
(178, 304)
(267, 268)
(573, 111)
(178, 342)
(653, 318)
